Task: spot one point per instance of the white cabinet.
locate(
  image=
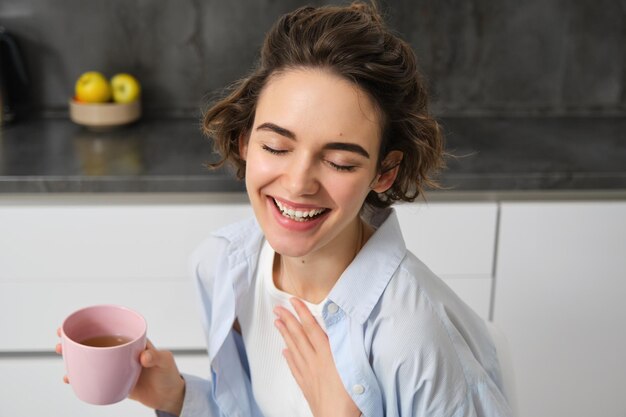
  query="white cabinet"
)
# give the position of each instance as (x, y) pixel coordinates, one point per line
(560, 296)
(57, 256)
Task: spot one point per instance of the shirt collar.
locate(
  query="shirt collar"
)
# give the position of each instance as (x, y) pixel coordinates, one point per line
(361, 285)
(245, 240)
(244, 237)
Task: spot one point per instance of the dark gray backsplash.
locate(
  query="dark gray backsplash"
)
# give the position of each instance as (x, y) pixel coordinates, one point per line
(480, 56)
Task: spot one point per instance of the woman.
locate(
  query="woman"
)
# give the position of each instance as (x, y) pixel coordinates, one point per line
(315, 307)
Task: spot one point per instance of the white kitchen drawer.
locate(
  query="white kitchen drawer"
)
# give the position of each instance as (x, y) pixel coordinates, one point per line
(452, 239)
(55, 258)
(32, 312)
(105, 243)
(33, 386)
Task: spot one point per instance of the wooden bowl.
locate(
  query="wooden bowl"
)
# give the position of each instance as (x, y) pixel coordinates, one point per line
(104, 116)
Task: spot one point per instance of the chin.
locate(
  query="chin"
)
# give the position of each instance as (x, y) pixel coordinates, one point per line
(286, 246)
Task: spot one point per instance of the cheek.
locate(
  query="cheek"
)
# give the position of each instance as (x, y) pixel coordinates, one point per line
(261, 170)
(258, 165)
(350, 192)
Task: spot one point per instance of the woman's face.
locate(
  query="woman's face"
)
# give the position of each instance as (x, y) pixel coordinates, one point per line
(310, 160)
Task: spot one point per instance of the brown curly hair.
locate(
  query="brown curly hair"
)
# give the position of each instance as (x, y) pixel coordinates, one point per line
(354, 43)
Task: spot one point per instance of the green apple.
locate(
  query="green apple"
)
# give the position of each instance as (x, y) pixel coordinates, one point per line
(126, 88)
(92, 87)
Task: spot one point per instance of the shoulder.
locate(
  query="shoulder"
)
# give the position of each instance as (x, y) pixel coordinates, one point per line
(428, 311)
(419, 292)
(408, 323)
(424, 339)
(412, 301)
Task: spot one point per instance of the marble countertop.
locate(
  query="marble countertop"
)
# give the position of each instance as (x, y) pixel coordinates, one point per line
(491, 154)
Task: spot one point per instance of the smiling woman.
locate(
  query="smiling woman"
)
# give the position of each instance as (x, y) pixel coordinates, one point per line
(309, 150)
(315, 307)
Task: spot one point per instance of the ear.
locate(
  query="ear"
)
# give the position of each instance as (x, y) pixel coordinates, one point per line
(243, 146)
(388, 173)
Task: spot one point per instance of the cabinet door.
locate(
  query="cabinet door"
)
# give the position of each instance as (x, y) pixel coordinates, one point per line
(456, 241)
(560, 297)
(33, 386)
(56, 257)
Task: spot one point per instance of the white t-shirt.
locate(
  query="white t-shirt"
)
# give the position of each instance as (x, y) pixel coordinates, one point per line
(275, 389)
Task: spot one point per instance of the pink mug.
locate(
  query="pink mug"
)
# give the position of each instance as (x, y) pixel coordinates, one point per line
(101, 348)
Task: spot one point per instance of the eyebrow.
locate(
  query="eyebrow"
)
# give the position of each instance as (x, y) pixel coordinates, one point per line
(339, 146)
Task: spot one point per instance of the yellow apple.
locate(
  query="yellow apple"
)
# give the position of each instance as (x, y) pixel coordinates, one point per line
(126, 88)
(92, 87)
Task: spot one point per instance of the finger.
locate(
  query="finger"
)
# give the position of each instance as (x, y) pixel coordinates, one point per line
(289, 341)
(147, 357)
(66, 379)
(299, 363)
(293, 367)
(58, 349)
(152, 357)
(314, 331)
(59, 331)
(297, 333)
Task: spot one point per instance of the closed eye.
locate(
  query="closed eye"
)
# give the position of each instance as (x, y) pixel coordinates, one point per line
(337, 167)
(273, 151)
(344, 168)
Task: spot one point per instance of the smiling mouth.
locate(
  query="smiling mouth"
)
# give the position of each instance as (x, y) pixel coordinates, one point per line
(299, 215)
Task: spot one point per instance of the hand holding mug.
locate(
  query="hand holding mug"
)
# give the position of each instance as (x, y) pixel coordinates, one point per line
(160, 385)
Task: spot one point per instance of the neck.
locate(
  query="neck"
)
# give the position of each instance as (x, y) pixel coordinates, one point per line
(313, 276)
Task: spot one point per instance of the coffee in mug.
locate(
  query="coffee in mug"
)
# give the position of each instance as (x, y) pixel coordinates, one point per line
(105, 341)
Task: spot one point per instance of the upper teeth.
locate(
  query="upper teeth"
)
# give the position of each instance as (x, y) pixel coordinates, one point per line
(298, 214)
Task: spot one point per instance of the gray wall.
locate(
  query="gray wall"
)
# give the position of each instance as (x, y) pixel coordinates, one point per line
(480, 56)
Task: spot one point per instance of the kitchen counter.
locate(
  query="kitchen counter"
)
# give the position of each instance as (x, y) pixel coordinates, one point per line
(491, 154)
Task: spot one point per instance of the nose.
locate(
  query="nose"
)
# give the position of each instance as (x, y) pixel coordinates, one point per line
(301, 177)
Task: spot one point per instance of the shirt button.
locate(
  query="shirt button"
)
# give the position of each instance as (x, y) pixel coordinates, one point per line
(358, 389)
(332, 308)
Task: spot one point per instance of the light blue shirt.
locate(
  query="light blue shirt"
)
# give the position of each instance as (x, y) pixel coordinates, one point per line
(404, 344)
